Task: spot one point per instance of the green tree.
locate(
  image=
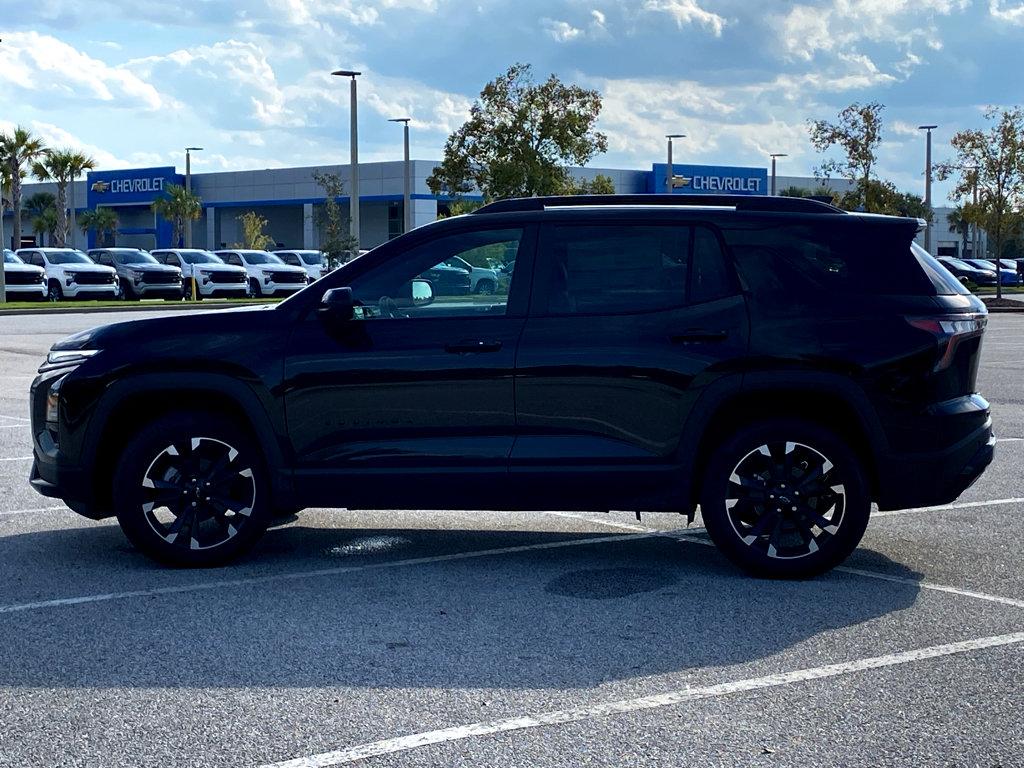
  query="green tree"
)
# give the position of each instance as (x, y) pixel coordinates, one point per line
(253, 235)
(795, 192)
(18, 151)
(992, 159)
(180, 207)
(599, 185)
(519, 138)
(882, 197)
(960, 224)
(63, 167)
(336, 239)
(39, 202)
(858, 133)
(46, 223)
(102, 221)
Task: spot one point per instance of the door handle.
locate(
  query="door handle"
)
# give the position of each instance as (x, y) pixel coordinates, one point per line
(473, 345)
(698, 335)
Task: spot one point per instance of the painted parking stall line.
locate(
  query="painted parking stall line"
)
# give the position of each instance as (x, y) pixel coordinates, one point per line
(195, 587)
(667, 699)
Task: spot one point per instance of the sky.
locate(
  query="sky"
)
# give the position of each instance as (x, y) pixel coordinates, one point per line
(133, 83)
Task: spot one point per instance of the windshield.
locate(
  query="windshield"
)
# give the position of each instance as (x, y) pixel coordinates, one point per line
(11, 258)
(134, 257)
(200, 257)
(957, 263)
(68, 257)
(289, 259)
(260, 257)
(311, 257)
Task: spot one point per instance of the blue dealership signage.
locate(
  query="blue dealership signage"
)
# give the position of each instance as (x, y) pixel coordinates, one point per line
(710, 180)
(134, 186)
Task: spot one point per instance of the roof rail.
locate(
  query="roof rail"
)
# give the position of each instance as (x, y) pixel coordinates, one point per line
(739, 202)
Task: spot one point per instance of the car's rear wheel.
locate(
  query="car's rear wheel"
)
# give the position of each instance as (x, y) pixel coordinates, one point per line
(785, 498)
(190, 490)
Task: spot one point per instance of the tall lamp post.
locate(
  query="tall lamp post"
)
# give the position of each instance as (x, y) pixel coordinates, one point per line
(773, 156)
(354, 148)
(188, 189)
(928, 182)
(407, 176)
(669, 175)
(975, 238)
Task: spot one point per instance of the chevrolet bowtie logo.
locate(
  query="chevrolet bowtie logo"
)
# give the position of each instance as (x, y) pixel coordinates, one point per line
(100, 186)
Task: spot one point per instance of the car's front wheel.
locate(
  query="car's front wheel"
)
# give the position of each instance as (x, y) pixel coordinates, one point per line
(255, 291)
(54, 293)
(785, 498)
(190, 490)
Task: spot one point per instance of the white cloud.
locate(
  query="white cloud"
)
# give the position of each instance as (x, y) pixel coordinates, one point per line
(686, 12)
(231, 82)
(1012, 13)
(560, 31)
(44, 70)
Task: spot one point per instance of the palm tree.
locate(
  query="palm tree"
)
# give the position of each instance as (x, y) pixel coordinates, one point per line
(960, 224)
(42, 213)
(62, 166)
(18, 151)
(103, 221)
(46, 222)
(179, 207)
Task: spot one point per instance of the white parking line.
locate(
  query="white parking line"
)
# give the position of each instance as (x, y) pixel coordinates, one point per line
(34, 510)
(1009, 440)
(667, 699)
(15, 459)
(218, 584)
(953, 506)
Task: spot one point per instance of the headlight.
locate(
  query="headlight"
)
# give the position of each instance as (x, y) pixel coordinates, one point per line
(68, 357)
(267, 278)
(69, 277)
(137, 276)
(53, 399)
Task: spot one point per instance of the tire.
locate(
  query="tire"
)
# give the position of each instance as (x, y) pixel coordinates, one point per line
(254, 289)
(54, 293)
(815, 479)
(200, 457)
(128, 293)
(486, 287)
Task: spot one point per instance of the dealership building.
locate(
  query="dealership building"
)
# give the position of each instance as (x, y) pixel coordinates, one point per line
(287, 197)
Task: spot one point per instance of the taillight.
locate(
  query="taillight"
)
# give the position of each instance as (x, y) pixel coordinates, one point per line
(949, 331)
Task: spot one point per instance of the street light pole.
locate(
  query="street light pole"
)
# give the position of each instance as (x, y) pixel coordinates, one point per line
(354, 149)
(669, 175)
(928, 183)
(773, 156)
(188, 189)
(407, 176)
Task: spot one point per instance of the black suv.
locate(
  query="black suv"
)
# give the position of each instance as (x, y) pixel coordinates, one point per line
(652, 354)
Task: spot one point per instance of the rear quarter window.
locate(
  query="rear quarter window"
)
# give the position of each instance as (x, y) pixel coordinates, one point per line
(819, 259)
(945, 282)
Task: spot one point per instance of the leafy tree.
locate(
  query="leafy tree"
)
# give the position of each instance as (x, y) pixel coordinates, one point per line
(993, 159)
(102, 221)
(35, 204)
(599, 185)
(882, 197)
(519, 138)
(62, 166)
(47, 222)
(253, 235)
(858, 133)
(795, 192)
(18, 151)
(336, 239)
(180, 207)
(960, 224)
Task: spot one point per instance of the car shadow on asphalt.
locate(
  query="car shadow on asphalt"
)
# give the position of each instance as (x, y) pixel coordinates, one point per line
(544, 614)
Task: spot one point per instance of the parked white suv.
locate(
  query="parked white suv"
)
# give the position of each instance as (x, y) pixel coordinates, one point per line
(23, 281)
(481, 279)
(213, 277)
(313, 262)
(71, 274)
(268, 275)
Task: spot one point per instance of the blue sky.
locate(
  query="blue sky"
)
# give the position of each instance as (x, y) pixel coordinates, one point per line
(134, 82)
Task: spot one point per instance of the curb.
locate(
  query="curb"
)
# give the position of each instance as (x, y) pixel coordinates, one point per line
(163, 307)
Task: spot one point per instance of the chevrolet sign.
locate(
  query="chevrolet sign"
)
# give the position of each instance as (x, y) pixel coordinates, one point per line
(147, 184)
(100, 187)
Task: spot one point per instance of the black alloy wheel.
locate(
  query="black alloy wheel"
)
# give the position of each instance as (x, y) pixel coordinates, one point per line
(54, 293)
(785, 499)
(190, 492)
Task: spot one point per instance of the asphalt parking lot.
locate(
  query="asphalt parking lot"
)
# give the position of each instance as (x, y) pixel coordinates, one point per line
(411, 638)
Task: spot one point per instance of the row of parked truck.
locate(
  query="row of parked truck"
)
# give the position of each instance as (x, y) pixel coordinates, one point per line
(132, 273)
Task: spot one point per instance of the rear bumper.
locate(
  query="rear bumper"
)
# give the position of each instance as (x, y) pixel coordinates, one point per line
(938, 477)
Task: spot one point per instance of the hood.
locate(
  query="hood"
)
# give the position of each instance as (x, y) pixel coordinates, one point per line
(22, 268)
(85, 268)
(215, 266)
(178, 333)
(281, 267)
(146, 267)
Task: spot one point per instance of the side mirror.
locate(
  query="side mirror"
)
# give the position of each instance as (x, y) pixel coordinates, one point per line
(337, 304)
(422, 292)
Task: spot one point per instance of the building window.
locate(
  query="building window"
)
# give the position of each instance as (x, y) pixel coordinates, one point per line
(394, 220)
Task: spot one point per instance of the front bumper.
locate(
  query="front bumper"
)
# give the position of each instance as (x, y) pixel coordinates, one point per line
(76, 291)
